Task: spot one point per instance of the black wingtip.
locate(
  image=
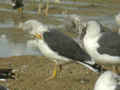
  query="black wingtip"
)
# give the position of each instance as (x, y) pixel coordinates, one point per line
(94, 67)
(98, 68)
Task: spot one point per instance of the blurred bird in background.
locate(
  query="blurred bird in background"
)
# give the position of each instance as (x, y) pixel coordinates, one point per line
(18, 4)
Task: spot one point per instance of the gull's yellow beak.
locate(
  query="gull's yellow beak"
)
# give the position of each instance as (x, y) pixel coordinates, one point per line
(38, 36)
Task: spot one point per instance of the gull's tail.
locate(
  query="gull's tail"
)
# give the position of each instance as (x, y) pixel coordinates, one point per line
(94, 67)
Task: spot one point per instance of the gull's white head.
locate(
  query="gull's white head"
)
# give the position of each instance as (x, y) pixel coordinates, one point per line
(93, 25)
(107, 81)
(33, 27)
(93, 29)
(117, 18)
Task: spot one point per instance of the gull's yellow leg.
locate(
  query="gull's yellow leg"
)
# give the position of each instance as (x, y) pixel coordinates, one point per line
(54, 73)
(46, 12)
(20, 11)
(46, 9)
(39, 9)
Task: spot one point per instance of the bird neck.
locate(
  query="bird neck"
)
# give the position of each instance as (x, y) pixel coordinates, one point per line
(93, 31)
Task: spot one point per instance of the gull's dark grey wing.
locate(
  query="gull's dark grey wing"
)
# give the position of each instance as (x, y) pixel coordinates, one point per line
(109, 44)
(65, 46)
(117, 87)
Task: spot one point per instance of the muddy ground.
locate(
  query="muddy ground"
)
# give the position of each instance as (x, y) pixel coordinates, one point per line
(32, 72)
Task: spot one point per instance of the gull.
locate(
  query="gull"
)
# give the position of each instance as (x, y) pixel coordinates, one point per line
(108, 81)
(103, 47)
(59, 47)
(18, 4)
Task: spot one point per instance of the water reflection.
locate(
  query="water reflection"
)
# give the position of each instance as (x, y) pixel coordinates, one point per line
(8, 48)
(9, 23)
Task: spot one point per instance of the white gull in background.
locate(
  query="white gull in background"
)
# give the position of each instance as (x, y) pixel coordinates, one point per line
(108, 81)
(117, 18)
(58, 46)
(75, 24)
(103, 47)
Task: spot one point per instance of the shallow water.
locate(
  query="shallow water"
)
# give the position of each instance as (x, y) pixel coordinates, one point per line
(9, 23)
(10, 43)
(11, 46)
(8, 48)
(108, 21)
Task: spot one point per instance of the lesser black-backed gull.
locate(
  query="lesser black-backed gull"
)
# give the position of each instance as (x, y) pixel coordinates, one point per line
(103, 47)
(18, 4)
(108, 81)
(54, 44)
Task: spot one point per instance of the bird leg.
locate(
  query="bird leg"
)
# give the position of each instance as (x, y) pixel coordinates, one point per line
(115, 69)
(54, 73)
(39, 9)
(20, 11)
(46, 8)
